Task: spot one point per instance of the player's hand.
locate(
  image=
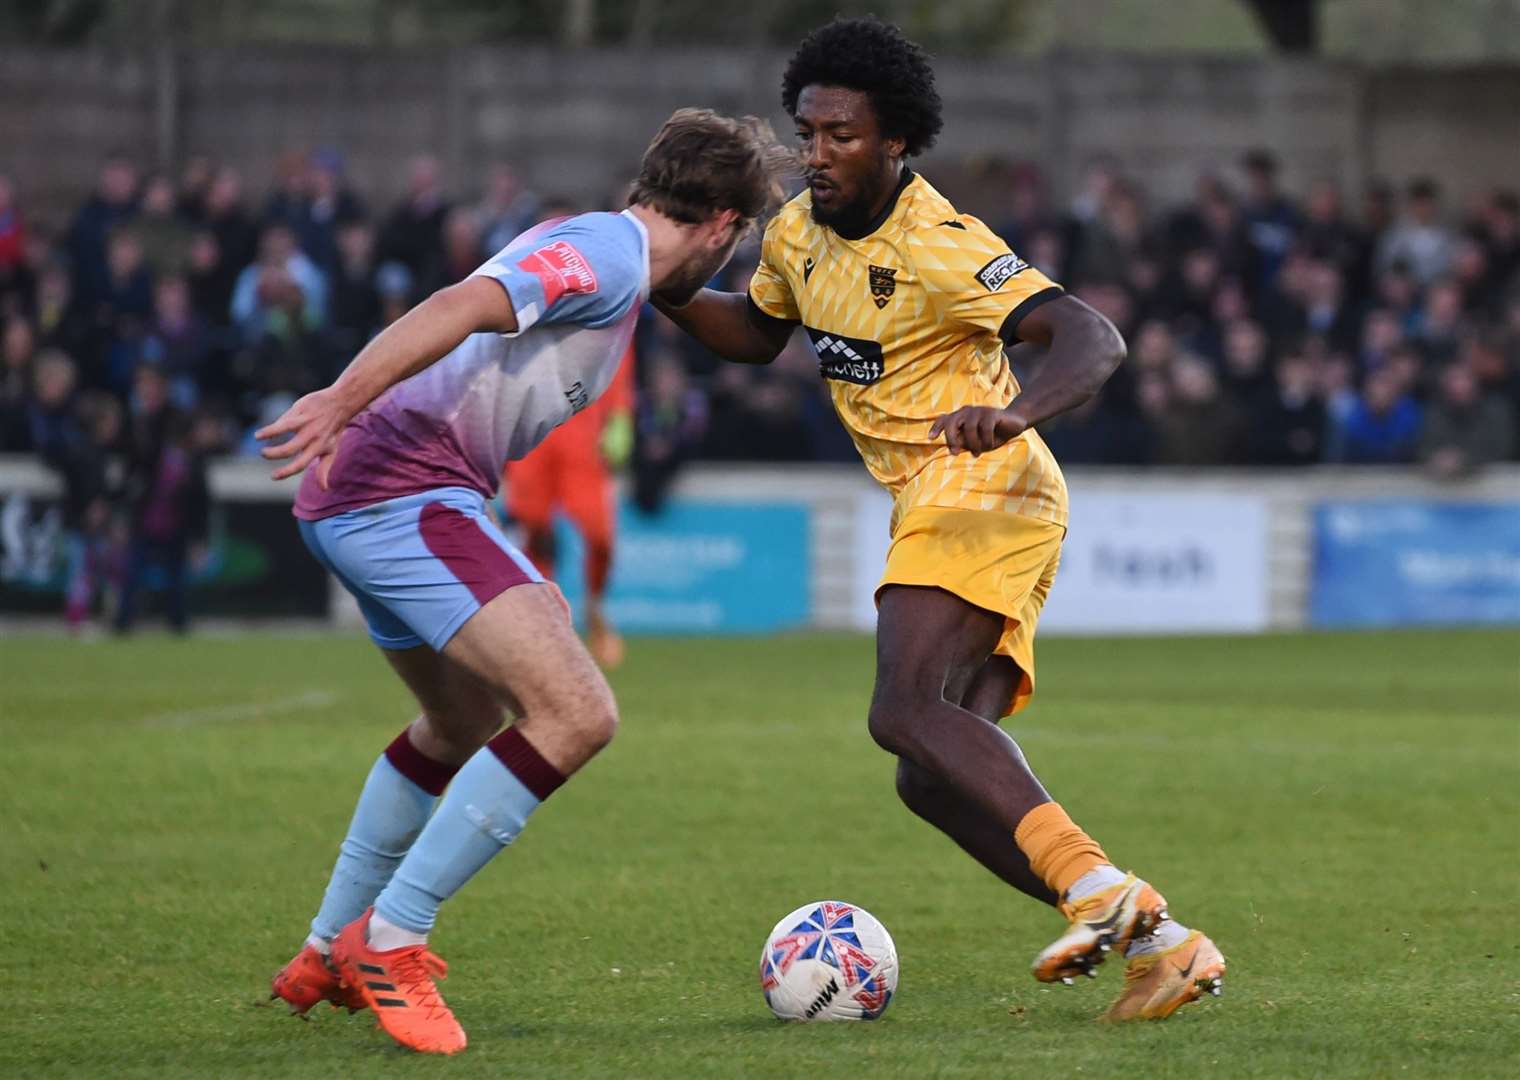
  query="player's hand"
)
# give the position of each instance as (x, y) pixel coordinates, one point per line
(976, 429)
(313, 424)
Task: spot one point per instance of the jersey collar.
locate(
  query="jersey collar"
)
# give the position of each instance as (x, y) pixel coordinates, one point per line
(886, 211)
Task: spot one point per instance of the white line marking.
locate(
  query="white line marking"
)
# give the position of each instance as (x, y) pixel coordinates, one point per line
(244, 710)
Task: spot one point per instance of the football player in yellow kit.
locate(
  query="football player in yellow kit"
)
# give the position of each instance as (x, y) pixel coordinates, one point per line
(909, 305)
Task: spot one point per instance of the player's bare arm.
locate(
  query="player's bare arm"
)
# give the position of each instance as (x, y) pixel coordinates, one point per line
(1081, 350)
(419, 338)
(730, 325)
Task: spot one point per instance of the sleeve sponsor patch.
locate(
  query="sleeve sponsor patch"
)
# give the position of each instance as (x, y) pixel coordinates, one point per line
(996, 273)
(561, 269)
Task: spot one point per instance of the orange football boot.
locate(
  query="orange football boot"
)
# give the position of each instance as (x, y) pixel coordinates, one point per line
(1158, 984)
(398, 984)
(309, 979)
(1101, 921)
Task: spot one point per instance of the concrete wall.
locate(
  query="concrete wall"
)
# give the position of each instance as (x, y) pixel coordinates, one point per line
(576, 122)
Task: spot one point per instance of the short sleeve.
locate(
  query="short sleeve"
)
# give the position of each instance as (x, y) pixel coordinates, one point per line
(973, 279)
(769, 290)
(588, 270)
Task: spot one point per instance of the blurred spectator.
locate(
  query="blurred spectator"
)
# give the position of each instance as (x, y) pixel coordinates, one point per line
(60, 322)
(228, 220)
(210, 279)
(354, 314)
(122, 310)
(1439, 322)
(16, 286)
(411, 234)
(12, 235)
(1330, 236)
(179, 341)
(194, 185)
(283, 287)
(1098, 433)
(167, 500)
(1465, 428)
(506, 209)
(18, 345)
(49, 412)
(1271, 220)
(164, 235)
(92, 470)
(1199, 426)
(670, 421)
(1028, 213)
(1382, 427)
(1421, 242)
(393, 283)
(113, 205)
(458, 253)
(1288, 426)
(315, 202)
(1498, 231)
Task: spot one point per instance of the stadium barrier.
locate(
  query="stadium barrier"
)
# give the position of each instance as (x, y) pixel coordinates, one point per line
(761, 548)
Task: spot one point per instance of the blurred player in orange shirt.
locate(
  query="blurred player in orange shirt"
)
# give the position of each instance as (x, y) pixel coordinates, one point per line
(572, 471)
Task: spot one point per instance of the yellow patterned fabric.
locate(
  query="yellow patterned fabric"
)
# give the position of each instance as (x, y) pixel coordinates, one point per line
(1000, 562)
(907, 323)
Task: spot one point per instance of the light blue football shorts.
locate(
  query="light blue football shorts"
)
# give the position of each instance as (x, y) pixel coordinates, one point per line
(419, 565)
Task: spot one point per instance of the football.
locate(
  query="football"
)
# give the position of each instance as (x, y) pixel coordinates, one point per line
(829, 960)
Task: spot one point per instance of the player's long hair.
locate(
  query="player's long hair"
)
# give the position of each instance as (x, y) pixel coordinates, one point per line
(701, 163)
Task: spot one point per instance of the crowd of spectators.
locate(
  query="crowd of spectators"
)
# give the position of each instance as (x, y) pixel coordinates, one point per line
(173, 315)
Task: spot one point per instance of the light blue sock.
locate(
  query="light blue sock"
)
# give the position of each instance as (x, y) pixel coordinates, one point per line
(392, 810)
(484, 810)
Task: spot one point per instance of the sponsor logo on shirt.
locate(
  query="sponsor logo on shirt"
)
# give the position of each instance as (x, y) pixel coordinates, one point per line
(996, 273)
(847, 359)
(561, 269)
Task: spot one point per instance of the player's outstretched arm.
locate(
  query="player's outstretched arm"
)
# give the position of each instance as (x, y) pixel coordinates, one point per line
(1082, 349)
(730, 325)
(419, 338)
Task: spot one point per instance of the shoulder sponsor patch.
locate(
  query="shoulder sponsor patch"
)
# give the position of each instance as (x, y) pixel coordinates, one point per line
(561, 268)
(996, 273)
(847, 359)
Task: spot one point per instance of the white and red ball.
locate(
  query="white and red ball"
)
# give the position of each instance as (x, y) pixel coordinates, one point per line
(829, 961)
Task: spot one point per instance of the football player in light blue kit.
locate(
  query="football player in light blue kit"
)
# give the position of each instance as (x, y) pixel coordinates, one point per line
(400, 455)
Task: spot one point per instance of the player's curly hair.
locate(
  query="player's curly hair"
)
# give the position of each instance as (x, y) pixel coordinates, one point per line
(701, 163)
(872, 56)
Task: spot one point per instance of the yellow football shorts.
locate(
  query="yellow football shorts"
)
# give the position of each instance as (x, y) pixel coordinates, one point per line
(1000, 562)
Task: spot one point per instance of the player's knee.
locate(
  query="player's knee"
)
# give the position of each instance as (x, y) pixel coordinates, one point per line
(916, 787)
(454, 736)
(592, 717)
(890, 724)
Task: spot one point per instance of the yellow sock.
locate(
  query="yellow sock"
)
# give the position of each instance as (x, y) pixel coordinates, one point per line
(1058, 851)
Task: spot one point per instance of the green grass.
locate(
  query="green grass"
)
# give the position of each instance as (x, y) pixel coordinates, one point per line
(1339, 812)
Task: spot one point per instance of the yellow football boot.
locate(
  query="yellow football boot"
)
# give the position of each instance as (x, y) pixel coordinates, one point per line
(1101, 921)
(1158, 984)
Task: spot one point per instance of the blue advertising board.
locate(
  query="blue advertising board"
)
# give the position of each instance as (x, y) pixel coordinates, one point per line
(701, 567)
(1408, 563)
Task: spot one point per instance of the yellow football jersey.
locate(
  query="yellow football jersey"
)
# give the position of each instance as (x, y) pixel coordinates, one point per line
(909, 323)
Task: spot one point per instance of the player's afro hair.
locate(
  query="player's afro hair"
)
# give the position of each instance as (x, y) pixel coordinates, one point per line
(869, 55)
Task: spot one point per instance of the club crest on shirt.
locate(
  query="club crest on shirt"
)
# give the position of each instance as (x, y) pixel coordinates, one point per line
(883, 281)
(996, 273)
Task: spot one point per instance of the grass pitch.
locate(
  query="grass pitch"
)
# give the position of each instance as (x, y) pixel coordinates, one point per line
(1339, 812)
